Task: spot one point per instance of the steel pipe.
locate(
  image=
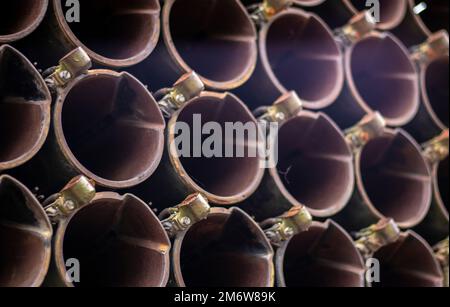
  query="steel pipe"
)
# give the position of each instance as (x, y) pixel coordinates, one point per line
(306, 60)
(19, 18)
(228, 249)
(24, 109)
(25, 236)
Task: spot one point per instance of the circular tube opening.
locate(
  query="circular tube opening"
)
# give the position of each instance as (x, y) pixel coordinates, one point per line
(118, 241)
(226, 250)
(409, 262)
(435, 79)
(383, 78)
(300, 54)
(20, 17)
(24, 109)
(442, 183)
(25, 236)
(392, 12)
(114, 33)
(111, 128)
(312, 153)
(224, 179)
(216, 39)
(323, 256)
(435, 15)
(395, 178)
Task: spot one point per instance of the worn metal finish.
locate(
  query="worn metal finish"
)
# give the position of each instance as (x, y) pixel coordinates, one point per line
(113, 33)
(228, 249)
(24, 109)
(393, 181)
(323, 256)
(392, 12)
(409, 262)
(191, 29)
(19, 18)
(25, 236)
(380, 76)
(119, 242)
(282, 53)
(222, 180)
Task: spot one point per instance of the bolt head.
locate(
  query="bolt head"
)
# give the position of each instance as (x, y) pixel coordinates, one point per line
(185, 221)
(289, 232)
(69, 205)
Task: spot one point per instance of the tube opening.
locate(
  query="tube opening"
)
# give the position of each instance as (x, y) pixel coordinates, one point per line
(214, 38)
(226, 250)
(223, 176)
(436, 91)
(392, 12)
(118, 242)
(384, 78)
(312, 154)
(323, 256)
(113, 127)
(443, 182)
(115, 30)
(300, 42)
(20, 17)
(408, 263)
(396, 178)
(24, 108)
(25, 235)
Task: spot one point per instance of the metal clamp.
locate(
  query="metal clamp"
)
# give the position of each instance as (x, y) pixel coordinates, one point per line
(74, 64)
(437, 149)
(193, 210)
(286, 107)
(262, 13)
(357, 28)
(370, 127)
(284, 227)
(441, 251)
(436, 45)
(186, 88)
(371, 239)
(77, 193)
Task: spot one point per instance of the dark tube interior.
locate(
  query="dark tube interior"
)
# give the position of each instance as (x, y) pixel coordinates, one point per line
(304, 57)
(408, 263)
(116, 30)
(113, 126)
(24, 106)
(435, 16)
(24, 237)
(215, 38)
(220, 175)
(385, 77)
(20, 15)
(391, 11)
(443, 183)
(118, 243)
(226, 250)
(436, 87)
(324, 256)
(312, 154)
(396, 178)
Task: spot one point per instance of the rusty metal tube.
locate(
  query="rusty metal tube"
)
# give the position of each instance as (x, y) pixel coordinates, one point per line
(393, 180)
(307, 60)
(323, 256)
(392, 12)
(312, 153)
(25, 236)
(107, 127)
(214, 38)
(24, 109)
(228, 249)
(113, 33)
(380, 76)
(410, 262)
(223, 180)
(117, 240)
(18, 18)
